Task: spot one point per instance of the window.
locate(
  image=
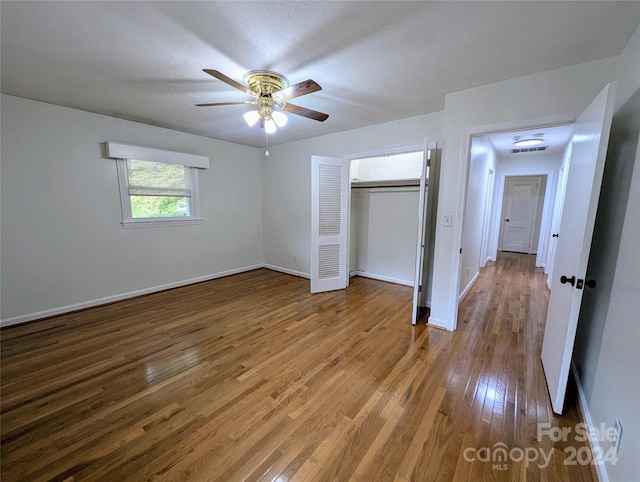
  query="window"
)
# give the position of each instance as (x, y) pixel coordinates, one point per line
(155, 191)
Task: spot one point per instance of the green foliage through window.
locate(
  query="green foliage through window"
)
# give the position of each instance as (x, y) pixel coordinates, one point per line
(159, 206)
(158, 190)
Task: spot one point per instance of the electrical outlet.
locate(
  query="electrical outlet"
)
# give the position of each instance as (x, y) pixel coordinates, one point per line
(295, 258)
(468, 270)
(618, 434)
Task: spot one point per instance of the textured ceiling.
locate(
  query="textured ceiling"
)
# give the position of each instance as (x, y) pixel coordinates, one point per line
(376, 61)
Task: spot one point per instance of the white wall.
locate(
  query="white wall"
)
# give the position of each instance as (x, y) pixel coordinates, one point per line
(628, 70)
(286, 182)
(482, 162)
(508, 105)
(406, 165)
(384, 233)
(63, 246)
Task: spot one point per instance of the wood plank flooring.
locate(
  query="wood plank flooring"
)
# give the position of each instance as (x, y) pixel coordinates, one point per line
(251, 378)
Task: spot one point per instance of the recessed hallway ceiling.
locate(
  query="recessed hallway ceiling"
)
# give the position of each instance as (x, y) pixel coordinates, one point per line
(376, 61)
(555, 139)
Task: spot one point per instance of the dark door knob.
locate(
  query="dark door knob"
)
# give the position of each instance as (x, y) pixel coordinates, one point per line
(591, 283)
(564, 280)
(506, 220)
(554, 235)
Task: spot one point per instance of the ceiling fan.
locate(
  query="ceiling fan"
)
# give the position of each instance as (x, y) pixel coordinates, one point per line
(270, 91)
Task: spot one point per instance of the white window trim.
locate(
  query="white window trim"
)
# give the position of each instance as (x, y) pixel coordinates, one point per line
(125, 151)
(128, 221)
(122, 152)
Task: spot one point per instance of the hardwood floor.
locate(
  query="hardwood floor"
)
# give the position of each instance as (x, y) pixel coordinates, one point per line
(252, 378)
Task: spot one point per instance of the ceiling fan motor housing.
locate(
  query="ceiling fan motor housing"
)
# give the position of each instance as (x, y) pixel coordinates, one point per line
(265, 83)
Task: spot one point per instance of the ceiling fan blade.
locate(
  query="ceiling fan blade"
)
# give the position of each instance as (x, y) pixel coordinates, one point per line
(227, 103)
(296, 90)
(231, 82)
(304, 112)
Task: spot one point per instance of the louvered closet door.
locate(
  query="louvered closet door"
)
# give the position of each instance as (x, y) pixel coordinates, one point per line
(329, 210)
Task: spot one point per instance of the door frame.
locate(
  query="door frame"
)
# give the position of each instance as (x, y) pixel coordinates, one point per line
(543, 239)
(465, 155)
(424, 148)
(558, 205)
(364, 155)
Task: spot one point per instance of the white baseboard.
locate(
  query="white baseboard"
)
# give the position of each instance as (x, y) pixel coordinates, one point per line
(489, 258)
(286, 271)
(468, 287)
(120, 296)
(364, 274)
(379, 277)
(584, 407)
(15, 320)
(439, 323)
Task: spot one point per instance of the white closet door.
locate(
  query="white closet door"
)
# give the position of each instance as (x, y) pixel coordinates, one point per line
(329, 211)
(418, 292)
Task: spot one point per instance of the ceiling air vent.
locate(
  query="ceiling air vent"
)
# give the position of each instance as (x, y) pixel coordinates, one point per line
(528, 149)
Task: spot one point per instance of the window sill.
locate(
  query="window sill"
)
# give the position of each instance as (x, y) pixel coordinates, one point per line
(146, 223)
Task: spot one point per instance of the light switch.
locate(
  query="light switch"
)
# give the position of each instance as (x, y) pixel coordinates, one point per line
(448, 220)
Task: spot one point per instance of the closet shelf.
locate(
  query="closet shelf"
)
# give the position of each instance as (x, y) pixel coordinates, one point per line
(389, 183)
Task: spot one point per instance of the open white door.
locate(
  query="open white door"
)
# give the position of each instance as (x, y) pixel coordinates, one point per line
(329, 211)
(417, 280)
(590, 140)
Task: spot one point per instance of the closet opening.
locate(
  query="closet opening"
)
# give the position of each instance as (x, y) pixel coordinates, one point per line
(387, 211)
(385, 194)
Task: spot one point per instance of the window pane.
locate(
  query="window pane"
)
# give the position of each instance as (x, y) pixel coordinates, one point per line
(155, 174)
(159, 206)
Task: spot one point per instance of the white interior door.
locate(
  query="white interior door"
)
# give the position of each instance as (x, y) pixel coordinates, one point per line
(329, 211)
(521, 201)
(420, 244)
(590, 140)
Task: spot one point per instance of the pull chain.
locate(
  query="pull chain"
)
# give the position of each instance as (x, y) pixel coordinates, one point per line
(266, 136)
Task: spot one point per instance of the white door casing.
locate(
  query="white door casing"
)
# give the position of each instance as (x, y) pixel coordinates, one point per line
(590, 140)
(555, 224)
(329, 222)
(519, 215)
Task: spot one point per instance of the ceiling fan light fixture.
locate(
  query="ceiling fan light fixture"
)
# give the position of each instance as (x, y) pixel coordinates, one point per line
(528, 142)
(270, 126)
(251, 117)
(279, 118)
